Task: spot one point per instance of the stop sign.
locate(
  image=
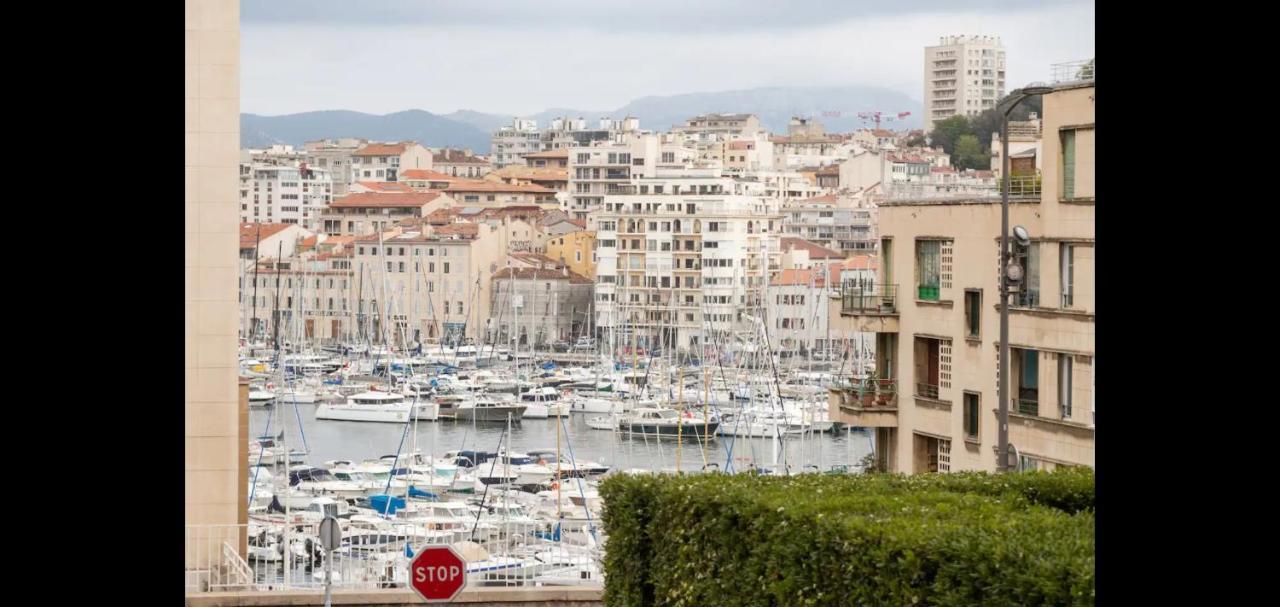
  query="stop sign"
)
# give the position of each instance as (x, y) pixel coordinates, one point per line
(438, 574)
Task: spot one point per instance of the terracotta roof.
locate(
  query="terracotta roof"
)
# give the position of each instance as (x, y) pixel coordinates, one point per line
(461, 229)
(383, 149)
(534, 258)
(425, 174)
(859, 262)
(479, 185)
(823, 198)
(384, 200)
(830, 169)
(310, 241)
(385, 186)
(742, 145)
(551, 154)
(797, 277)
(451, 156)
(815, 251)
(883, 133)
(249, 234)
(942, 169)
(541, 274)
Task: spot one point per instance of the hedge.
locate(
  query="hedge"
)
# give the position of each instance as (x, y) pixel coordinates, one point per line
(960, 539)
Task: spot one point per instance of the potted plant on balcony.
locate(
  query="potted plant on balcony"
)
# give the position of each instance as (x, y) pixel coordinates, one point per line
(884, 392)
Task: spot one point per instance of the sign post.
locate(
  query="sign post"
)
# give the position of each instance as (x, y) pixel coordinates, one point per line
(438, 574)
(330, 539)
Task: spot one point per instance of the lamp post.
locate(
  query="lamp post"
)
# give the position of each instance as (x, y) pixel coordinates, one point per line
(1008, 267)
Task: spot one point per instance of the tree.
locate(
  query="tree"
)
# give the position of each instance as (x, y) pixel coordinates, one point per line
(916, 141)
(969, 154)
(946, 132)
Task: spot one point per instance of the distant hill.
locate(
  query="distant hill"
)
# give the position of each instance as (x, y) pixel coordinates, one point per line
(835, 106)
(417, 125)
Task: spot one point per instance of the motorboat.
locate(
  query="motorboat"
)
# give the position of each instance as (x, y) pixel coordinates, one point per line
(667, 423)
(544, 402)
(486, 409)
(370, 406)
(261, 397)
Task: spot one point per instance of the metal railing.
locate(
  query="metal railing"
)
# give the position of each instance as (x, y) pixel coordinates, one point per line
(520, 553)
(880, 299)
(1021, 187)
(1072, 71)
(927, 390)
(870, 393)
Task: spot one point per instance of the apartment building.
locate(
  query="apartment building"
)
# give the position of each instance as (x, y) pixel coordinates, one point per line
(272, 193)
(932, 399)
(385, 161)
(334, 155)
(363, 213)
(425, 284)
(460, 163)
(1024, 147)
(308, 296)
(576, 250)
(539, 306)
(511, 144)
(798, 314)
(963, 75)
(716, 126)
(682, 258)
(609, 166)
(482, 192)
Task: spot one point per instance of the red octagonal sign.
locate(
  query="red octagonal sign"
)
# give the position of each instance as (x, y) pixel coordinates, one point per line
(438, 574)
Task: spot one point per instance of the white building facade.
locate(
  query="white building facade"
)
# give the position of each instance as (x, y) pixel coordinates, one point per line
(283, 194)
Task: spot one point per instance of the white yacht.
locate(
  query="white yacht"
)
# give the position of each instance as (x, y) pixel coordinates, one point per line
(261, 397)
(484, 409)
(371, 406)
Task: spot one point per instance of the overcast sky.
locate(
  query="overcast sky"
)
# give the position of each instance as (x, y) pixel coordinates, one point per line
(510, 57)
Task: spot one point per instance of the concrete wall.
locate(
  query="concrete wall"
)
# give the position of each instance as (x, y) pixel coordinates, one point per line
(215, 451)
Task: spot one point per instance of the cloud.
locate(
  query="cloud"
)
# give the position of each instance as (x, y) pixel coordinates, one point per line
(706, 16)
(383, 67)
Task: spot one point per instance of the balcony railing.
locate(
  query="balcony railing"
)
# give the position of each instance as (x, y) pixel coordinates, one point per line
(927, 390)
(1028, 401)
(871, 392)
(927, 292)
(880, 299)
(1021, 186)
(1073, 71)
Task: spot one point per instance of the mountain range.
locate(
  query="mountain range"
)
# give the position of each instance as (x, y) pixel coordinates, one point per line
(836, 107)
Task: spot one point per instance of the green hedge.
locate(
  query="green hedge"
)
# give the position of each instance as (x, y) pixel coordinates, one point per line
(961, 539)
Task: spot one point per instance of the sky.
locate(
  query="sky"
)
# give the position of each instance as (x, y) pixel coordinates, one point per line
(517, 58)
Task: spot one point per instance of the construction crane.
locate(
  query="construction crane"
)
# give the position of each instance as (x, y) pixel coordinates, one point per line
(877, 116)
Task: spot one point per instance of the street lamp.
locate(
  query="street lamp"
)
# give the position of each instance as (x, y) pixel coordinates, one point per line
(1012, 272)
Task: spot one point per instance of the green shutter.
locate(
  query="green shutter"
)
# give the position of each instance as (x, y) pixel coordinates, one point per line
(1068, 164)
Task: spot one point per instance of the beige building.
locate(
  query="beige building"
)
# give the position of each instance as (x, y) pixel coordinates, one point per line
(963, 75)
(364, 213)
(334, 156)
(215, 405)
(460, 163)
(436, 282)
(482, 192)
(935, 314)
(385, 161)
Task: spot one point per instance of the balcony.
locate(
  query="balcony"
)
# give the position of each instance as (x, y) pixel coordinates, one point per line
(1072, 71)
(866, 403)
(871, 309)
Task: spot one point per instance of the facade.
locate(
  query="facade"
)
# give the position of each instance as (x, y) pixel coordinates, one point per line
(554, 159)
(363, 213)
(482, 192)
(215, 404)
(712, 127)
(285, 194)
(608, 167)
(539, 306)
(551, 178)
(935, 313)
(682, 259)
(1024, 148)
(963, 76)
(270, 239)
(798, 313)
(334, 156)
(460, 163)
(577, 250)
(385, 161)
(425, 285)
(512, 143)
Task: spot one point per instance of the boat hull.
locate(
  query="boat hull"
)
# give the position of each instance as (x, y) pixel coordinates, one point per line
(642, 429)
(395, 413)
(490, 414)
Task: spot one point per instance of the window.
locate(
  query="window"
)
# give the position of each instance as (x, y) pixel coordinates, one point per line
(927, 367)
(1028, 376)
(446, 267)
(1068, 164)
(1067, 257)
(431, 266)
(402, 267)
(1028, 257)
(459, 307)
(928, 269)
(972, 313)
(971, 415)
(1064, 385)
